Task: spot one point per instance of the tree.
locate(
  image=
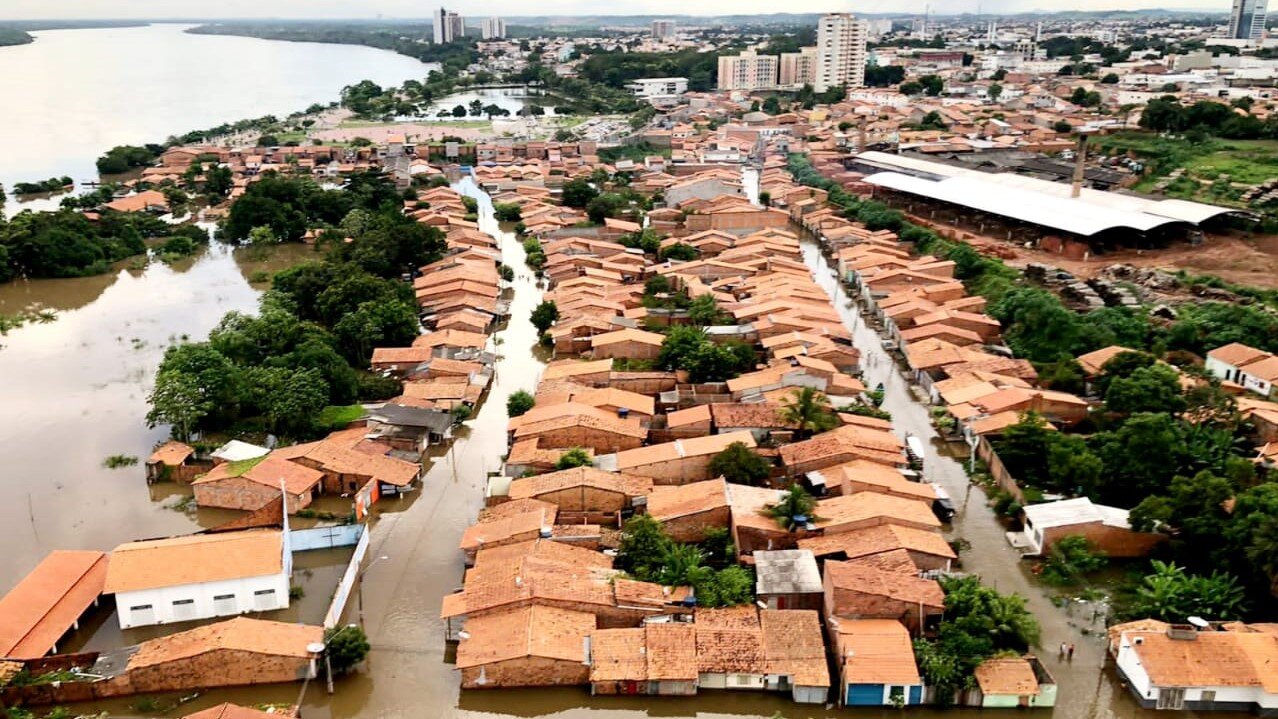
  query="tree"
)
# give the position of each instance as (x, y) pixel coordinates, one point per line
(994, 92)
(795, 504)
(459, 111)
(578, 193)
(772, 105)
(982, 611)
(507, 212)
(809, 410)
(573, 458)
(1062, 127)
(375, 324)
(544, 315)
(261, 236)
(679, 252)
(1110, 79)
(932, 84)
(347, 646)
(1148, 389)
(642, 546)
(1170, 594)
(910, 88)
(519, 402)
(290, 399)
(177, 400)
(739, 464)
(704, 311)
(679, 345)
(1070, 558)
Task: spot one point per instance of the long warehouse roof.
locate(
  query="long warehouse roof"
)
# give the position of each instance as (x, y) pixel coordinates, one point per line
(1094, 200)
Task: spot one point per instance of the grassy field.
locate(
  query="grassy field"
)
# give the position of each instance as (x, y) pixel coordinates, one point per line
(1215, 170)
(466, 124)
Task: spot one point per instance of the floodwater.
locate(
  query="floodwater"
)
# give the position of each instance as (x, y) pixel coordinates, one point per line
(73, 94)
(74, 392)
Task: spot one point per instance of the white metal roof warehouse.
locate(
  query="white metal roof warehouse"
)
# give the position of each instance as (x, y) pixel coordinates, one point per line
(1031, 200)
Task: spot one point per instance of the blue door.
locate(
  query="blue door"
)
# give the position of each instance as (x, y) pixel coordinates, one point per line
(864, 695)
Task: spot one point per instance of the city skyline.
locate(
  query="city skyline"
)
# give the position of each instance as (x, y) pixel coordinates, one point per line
(405, 9)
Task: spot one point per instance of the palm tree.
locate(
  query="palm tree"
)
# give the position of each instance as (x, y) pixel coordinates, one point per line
(810, 411)
(795, 502)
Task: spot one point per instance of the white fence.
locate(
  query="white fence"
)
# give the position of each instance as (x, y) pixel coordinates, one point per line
(343, 535)
(344, 587)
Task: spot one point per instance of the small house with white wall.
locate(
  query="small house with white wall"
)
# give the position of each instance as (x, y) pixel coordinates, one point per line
(179, 579)
(1254, 369)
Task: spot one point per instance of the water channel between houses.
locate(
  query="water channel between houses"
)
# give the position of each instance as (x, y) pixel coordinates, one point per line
(85, 376)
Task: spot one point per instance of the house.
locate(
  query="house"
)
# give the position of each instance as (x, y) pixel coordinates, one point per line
(410, 429)
(237, 652)
(584, 491)
(875, 661)
(161, 581)
(677, 462)
(788, 579)
(1180, 668)
(841, 445)
(529, 646)
(516, 522)
(869, 509)
(49, 601)
(253, 483)
(174, 461)
(729, 648)
(926, 549)
(686, 511)
(1107, 528)
(573, 425)
(1005, 682)
(657, 658)
(794, 655)
(858, 591)
(627, 343)
(1254, 369)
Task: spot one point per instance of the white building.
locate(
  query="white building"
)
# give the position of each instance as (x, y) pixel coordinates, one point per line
(1247, 20)
(663, 29)
(1254, 369)
(1182, 668)
(655, 88)
(797, 69)
(747, 71)
(448, 26)
(492, 28)
(840, 52)
(199, 576)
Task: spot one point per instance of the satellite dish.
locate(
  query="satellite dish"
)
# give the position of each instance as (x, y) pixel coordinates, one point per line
(1199, 622)
(315, 647)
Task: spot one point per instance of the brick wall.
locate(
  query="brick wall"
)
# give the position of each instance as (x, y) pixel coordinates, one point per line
(692, 528)
(244, 494)
(586, 499)
(1114, 541)
(601, 441)
(853, 604)
(633, 350)
(526, 672)
(217, 668)
(676, 471)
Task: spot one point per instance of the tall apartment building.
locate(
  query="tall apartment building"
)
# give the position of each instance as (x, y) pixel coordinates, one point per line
(797, 69)
(663, 29)
(448, 26)
(1247, 20)
(747, 71)
(492, 28)
(840, 52)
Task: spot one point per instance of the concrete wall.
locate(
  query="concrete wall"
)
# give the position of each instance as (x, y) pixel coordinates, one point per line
(163, 611)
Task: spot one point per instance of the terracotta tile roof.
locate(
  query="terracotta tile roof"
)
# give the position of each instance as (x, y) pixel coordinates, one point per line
(749, 415)
(1236, 354)
(670, 502)
(547, 549)
(401, 355)
(194, 559)
(258, 636)
(868, 580)
(348, 452)
(1007, 676)
(48, 601)
(895, 561)
(613, 397)
(628, 335)
(695, 414)
(877, 539)
(876, 651)
(1211, 659)
(172, 453)
(268, 471)
(532, 631)
(575, 368)
(627, 484)
(618, 655)
(1092, 362)
(609, 423)
(863, 475)
(672, 651)
(669, 451)
(793, 645)
(877, 445)
(749, 506)
(503, 529)
(853, 508)
(235, 711)
(729, 640)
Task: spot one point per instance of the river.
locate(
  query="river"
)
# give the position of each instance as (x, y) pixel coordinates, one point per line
(73, 94)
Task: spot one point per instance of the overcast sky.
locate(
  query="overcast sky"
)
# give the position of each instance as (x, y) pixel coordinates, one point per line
(47, 9)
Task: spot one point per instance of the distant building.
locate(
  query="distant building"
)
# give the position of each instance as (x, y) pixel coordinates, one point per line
(840, 52)
(448, 26)
(492, 28)
(1247, 20)
(747, 71)
(654, 88)
(663, 29)
(797, 69)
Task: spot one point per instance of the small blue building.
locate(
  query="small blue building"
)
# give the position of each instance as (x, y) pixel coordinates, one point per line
(876, 663)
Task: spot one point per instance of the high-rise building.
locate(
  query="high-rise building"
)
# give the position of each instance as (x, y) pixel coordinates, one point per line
(840, 52)
(492, 28)
(797, 69)
(1247, 21)
(663, 29)
(448, 26)
(747, 71)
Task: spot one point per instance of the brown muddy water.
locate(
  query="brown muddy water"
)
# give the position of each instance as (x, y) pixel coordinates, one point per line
(76, 393)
